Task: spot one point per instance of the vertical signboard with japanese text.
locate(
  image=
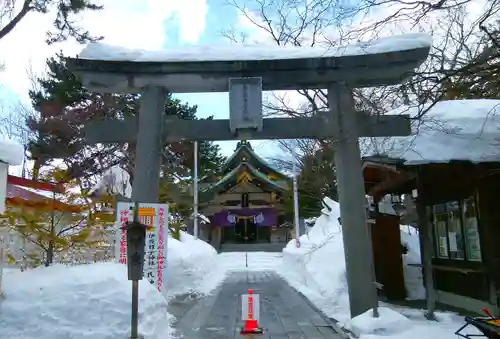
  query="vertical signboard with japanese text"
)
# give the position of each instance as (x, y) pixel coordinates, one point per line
(155, 260)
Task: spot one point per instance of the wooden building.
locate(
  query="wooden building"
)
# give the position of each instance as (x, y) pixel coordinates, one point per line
(453, 178)
(29, 196)
(244, 201)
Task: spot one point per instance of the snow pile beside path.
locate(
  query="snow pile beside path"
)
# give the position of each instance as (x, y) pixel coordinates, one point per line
(192, 266)
(414, 284)
(88, 301)
(93, 301)
(395, 323)
(388, 322)
(317, 269)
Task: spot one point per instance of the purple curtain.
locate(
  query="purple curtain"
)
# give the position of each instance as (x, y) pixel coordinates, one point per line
(260, 216)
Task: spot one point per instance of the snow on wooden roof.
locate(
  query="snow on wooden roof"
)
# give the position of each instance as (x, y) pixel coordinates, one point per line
(29, 197)
(11, 152)
(36, 194)
(466, 130)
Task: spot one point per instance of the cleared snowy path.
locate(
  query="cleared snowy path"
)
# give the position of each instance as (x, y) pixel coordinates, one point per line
(285, 314)
(255, 261)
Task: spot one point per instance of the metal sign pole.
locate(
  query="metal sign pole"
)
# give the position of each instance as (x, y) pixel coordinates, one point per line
(195, 190)
(134, 319)
(295, 199)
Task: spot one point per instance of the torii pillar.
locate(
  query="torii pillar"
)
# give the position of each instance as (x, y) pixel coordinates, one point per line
(245, 79)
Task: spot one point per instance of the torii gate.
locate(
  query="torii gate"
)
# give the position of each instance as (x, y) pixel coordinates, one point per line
(211, 69)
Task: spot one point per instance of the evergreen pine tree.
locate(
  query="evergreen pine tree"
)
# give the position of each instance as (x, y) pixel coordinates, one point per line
(316, 180)
(63, 105)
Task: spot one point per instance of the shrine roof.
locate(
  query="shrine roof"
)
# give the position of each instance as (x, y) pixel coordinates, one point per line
(245, 153)
(231, 178)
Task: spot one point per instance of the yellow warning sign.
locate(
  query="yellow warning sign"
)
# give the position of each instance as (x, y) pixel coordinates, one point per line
(146, 216)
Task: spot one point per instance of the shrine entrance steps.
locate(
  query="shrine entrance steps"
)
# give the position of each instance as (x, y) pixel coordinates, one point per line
(284, 313)
(258, 247)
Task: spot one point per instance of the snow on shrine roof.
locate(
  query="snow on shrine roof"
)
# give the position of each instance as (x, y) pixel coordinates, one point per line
(244, 147)
(100, 51)
(11, 152)
(466, 130)
(253, 170)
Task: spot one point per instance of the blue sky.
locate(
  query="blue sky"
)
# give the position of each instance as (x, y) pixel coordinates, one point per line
(220, 15)
(134, 25)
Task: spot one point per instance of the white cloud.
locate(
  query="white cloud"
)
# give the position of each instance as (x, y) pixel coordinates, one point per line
(192, 16)
(128, 23)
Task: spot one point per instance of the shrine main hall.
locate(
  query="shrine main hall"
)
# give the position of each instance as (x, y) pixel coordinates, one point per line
(244, 201)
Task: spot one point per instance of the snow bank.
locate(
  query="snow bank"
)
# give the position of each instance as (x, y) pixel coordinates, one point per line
(449, 130)
(11, 152)
(388, 322)
(415, 289)
(398, 322)
(192, 266)
(88, 301)
(93, 301)
(114, 181)
(100, 51)
(317, 268)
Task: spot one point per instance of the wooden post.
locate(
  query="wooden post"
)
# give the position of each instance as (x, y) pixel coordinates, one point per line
(426, 247)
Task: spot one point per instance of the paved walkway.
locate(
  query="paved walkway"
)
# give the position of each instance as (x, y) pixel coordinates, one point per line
(284, 313)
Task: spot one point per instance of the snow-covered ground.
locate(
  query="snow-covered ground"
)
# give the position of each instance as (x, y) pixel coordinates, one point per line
(88, 301)
(193, 266)
(412, 274)
(317, 269)
(93, 301)
(250, 261)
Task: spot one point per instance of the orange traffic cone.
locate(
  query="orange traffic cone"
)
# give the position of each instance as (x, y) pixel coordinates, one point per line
(251, 325)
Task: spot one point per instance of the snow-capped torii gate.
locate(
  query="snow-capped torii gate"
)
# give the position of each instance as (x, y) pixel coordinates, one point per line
(244, 72)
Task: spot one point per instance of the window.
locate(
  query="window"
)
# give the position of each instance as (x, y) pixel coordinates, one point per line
(473, 247)
(456, 233)
(440, 239)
